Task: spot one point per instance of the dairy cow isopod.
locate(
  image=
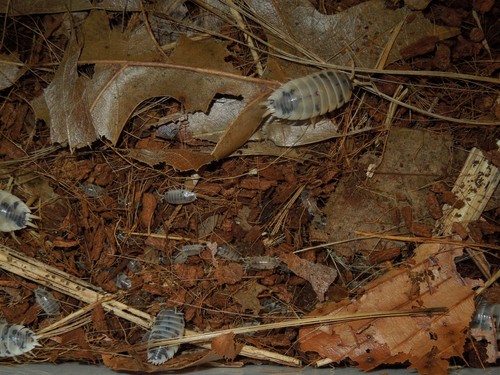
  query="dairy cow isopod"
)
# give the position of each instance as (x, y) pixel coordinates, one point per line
(310, 96)
(14, 214)
(16, 339)
(169, 323)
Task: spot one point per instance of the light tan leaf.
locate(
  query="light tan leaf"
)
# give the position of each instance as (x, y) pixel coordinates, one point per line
(357, 34)
(319, 275)
(427, 342)
(11, 69)
(64, 106)
(226, 346)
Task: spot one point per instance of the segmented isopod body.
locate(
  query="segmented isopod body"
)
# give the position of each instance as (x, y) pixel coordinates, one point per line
(49, 304)
(14, 214)
(179, 196)
(16, 339)
(229, 253)
(188, 251)
(123, 282)
(261, 263)
(169, 323)
(310, 96)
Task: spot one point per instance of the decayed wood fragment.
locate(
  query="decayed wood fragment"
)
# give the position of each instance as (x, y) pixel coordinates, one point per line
(474, 187)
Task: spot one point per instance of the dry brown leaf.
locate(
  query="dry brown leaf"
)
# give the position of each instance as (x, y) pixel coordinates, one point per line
(22, 8)
(131, 364)
(105, 43)
(180, 159)
(242, 128)
(116, 90)
(319, 275)
(229, 273)
(11, 69)
(206, 54)
(226, 346)
(247, 296)
(426, 342)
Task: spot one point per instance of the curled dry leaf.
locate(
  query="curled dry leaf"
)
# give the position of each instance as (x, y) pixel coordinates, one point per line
(11, 69)
(426, 342)
(320, 276)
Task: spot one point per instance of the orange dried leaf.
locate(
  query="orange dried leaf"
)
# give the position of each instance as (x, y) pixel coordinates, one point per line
(320, 276)
(229, 273)
(426, 342)
(226, 346)
(148, 209)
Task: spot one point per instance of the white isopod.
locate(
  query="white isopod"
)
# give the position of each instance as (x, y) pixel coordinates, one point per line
(14, 214)
(49, 304)
(179, 196)
(16, 339)
(310, 96)
(169, 323)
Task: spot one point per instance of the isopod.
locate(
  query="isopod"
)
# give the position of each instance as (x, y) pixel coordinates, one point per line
(49, 304)
(16, 339)
(261, 263)
(169, 323)
(229, 253)
(310, 96)
(188, 251)
(14, 214)
(179, 196)
(123, 282)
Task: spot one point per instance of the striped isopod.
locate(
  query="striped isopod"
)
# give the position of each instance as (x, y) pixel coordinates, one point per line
(16, 339)
(49, 304)
(169, 323)
(14, 214)
(310, 96)
(179, 196)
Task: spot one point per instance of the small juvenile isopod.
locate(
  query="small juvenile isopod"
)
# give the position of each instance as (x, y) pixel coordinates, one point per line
(169, 323)
(310, 96)
(16, 339)
(261, 263)
(123, 282)
(49, 304)
(188, 251)
(229, 253)
(14, 214)
(179, 196)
